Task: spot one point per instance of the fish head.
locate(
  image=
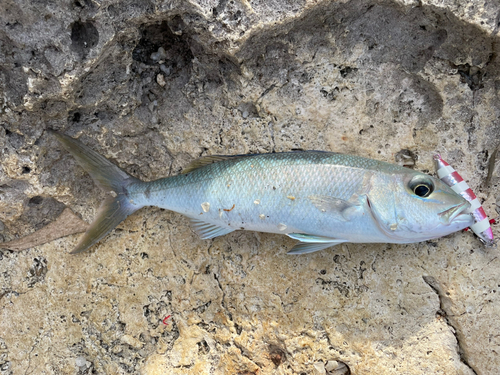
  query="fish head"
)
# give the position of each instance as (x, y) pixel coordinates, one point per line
(420, 208)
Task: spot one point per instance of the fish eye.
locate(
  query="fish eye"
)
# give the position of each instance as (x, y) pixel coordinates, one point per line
(422, 190)
(421, 187)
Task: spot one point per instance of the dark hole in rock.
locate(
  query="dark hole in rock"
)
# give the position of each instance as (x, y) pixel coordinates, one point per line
(344, 72)
(406, 158)
(76, 117)
(471, 75)
(277, 355)
(26, 170)
(37, 271)
(203, 347)
(84, 36)
(238, 328)
(176, 51)
(337, 368)
(35, 200)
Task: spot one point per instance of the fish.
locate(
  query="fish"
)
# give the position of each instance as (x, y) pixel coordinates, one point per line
(450, 177)
(319, 198)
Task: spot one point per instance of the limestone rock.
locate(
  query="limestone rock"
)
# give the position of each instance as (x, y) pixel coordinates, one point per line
(153, 85)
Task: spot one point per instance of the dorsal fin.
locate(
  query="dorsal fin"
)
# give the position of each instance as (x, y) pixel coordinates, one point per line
(210, 159)
(206, 160)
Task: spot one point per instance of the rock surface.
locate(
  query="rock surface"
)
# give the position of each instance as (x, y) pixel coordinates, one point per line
(153, 85)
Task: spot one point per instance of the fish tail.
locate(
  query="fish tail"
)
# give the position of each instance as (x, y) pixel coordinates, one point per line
(117, 205)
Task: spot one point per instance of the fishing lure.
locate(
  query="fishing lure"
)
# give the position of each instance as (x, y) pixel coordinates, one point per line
(450, 177)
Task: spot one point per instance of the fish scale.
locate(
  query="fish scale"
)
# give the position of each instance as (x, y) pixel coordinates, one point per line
(319, 198)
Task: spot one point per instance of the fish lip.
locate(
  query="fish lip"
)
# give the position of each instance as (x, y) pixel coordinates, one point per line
(447, 216)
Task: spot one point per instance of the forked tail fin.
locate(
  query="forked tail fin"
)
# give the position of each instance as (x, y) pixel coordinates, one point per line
(117, 205)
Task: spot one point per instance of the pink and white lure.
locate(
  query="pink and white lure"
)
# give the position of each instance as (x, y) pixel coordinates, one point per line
(450, 177)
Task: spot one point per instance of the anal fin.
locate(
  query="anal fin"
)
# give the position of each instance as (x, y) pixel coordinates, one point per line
(207, 230)
(310, 243)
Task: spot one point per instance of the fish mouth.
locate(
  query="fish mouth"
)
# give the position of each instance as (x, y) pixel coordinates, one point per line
(447, 216)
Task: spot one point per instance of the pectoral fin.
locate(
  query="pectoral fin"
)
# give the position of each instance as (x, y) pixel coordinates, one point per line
(207, 230)
(310, 244)
(344, 210)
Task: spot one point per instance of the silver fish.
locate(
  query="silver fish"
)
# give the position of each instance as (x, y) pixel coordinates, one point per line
(319, 198)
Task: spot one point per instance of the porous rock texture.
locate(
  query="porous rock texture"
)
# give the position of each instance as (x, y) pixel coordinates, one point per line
(153, 85)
